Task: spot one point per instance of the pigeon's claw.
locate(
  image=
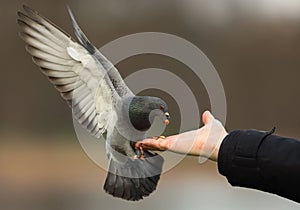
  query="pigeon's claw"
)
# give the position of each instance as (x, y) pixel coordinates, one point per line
(139, 152)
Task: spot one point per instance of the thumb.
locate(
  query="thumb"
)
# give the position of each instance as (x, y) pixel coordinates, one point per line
(207, 117)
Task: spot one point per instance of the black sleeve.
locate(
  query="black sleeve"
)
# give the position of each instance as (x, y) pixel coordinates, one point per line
(260, 160)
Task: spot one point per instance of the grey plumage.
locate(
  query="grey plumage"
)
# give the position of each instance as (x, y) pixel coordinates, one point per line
(143, 182)
(100, 100)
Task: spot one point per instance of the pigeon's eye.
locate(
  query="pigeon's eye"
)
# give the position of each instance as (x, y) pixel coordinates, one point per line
(162, 107)
(167, 115)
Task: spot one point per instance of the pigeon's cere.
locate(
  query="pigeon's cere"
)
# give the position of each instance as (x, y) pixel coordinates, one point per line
(101, 102)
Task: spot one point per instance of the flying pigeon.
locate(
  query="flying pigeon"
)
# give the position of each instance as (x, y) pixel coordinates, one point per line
(100, 100)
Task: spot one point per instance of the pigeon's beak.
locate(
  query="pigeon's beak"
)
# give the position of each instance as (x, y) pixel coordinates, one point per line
(167, 120)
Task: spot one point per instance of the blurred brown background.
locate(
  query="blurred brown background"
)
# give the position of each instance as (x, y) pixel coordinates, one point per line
(254, 46)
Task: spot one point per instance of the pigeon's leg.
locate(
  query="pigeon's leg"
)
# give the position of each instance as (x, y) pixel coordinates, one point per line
(139, 152)
(139, 148)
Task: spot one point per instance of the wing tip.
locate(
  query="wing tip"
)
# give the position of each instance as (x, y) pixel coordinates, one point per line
(26, 7)
(73, 20)
(30, 11)
(69, 10)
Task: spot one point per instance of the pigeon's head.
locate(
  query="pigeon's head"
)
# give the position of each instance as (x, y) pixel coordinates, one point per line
(143, 110)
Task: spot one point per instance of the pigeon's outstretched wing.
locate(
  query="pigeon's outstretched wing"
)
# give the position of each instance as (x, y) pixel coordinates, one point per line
(117, 81)
(84, 78)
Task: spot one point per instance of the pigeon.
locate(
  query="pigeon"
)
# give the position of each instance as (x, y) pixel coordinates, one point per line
(100, 100)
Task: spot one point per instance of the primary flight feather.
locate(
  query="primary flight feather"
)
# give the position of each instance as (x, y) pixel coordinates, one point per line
(100, 100)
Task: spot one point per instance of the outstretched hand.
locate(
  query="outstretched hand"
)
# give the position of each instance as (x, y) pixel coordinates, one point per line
(204, 142)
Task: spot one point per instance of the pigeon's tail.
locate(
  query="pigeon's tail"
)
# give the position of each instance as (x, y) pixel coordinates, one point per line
(135, 179)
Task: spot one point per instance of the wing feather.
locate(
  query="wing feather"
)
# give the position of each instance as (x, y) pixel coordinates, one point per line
(62, 81)
(71, 68)
(60, 74)
(49, 65)
(113, 74)
(35, 43)
(49, 57)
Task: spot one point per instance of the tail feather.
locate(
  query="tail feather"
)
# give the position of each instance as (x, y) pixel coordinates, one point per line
(134, 180)
(147, 187)
(118, 190)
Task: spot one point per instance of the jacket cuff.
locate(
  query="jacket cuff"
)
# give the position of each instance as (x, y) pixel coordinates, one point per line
(237, 158)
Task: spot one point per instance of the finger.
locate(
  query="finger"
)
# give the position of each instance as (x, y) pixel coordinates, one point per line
(207, 117)
(150, 144)
(146, 144)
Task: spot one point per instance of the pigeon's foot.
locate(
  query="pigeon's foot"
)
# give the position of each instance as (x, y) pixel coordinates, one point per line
(158, 137)
(139, 152)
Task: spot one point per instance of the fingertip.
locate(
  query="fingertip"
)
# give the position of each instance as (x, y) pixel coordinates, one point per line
(207, 117)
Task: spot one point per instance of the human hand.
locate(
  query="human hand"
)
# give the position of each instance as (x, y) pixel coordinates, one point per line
(204, 142)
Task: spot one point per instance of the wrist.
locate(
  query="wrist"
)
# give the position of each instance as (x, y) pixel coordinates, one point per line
(214, 156)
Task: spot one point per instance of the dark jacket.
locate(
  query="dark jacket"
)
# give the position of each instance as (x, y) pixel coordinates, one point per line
(260, 160)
